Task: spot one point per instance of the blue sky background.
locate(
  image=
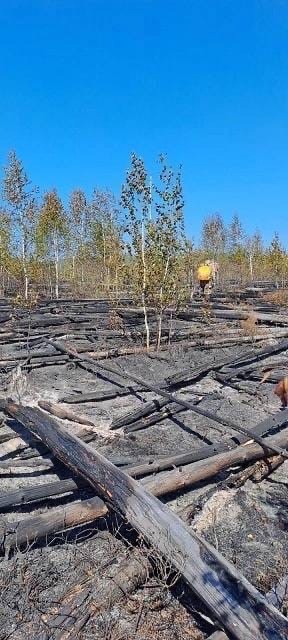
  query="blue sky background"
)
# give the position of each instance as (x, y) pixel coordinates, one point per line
(85, 82)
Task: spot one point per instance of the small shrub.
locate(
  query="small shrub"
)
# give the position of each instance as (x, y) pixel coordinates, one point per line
(249, 326)
(279, 297)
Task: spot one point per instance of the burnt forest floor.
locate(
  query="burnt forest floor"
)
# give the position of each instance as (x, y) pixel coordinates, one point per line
(64, 585)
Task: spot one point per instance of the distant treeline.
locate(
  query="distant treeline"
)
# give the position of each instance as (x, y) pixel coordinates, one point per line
(95, 244)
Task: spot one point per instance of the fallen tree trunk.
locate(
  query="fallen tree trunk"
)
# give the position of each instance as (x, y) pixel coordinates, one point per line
(231, 314)
(64, 413)
(29, 494)
(144, 423)
(266, 352)
(47, 490)
(242, 361)
(12, 465)
(169, 482)
(241, 609)
(17, 534)
(145, 410)
(96, 396)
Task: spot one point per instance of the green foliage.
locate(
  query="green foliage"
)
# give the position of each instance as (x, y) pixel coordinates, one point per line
(105, 243)
(15, 184)
(95, 249)
(276, 256)
(52, 231)
(79, 218)
(235, 236)
(5, 239)
(52, 226)
(214, 236)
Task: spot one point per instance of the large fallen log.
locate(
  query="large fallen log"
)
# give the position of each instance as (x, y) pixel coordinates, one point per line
(11, 465)
(241, 609)
(233, 314)
(23, 532)
(28, 494)
(169, 482)
(271, 423)
(189, 475)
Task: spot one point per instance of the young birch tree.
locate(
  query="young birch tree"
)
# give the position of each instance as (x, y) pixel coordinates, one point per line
(214, 236)
(277, 258)
(20, 198)
(52, 231)
(79, 225)
(135, 200)
(105, 232)
(166, 234)
(255, 252)
(5, 248)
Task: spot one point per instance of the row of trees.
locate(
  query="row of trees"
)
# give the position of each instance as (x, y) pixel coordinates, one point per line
(100, 245)
(243, 256)
(41, 241)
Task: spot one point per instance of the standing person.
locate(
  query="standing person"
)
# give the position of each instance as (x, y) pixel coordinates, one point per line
(205, 275)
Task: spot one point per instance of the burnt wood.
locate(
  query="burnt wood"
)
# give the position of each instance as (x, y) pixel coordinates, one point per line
(240, 608)
(24, 532)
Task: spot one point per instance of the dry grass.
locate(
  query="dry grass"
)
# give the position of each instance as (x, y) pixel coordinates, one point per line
(249, 326)
(115, 321)
(278, 297)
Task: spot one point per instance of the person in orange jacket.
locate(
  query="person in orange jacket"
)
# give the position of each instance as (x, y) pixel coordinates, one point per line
(205, 275)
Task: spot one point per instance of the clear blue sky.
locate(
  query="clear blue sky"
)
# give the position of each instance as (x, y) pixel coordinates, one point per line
(85, 82)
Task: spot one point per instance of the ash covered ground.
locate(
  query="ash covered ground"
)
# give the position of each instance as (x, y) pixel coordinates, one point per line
(248, 525)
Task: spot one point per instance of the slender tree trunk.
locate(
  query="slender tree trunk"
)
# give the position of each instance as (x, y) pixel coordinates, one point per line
(104, 258)
(81, 250)
(24, 267)
(56, 258)
(50, 282)
(73, 267)
(251, 266)
(161, 306)
(143, 296)
(159, 333)
(170, 327)
(116, 282)
(82, 266)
